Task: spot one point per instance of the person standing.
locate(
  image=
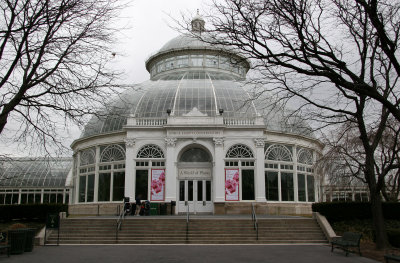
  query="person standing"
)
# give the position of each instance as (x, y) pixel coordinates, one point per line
(138, 204)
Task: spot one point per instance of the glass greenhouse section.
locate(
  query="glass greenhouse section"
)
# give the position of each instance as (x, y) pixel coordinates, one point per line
(42, 180)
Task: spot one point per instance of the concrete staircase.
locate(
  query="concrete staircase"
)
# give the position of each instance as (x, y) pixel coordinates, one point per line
(211, 230)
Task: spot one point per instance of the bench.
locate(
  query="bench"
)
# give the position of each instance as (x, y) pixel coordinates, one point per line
(392, 257)
(3, 245)
(347, 241)
(6, 248)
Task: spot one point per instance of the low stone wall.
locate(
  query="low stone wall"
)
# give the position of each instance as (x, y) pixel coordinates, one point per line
(219, 209)
(262, 209)
(95, 209)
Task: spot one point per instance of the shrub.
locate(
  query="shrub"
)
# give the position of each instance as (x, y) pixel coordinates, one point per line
(17, 226)
(30, 211)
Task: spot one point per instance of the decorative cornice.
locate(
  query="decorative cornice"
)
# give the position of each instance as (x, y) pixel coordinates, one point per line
(218, 141)
(260, 143)
(130, 142)
(170, 142)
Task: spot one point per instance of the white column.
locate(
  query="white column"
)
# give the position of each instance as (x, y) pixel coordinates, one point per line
(96, 175)
(295, 180)
(170, 171)
(76, 179)
(259, 178)
(130, 169)
(219, 173)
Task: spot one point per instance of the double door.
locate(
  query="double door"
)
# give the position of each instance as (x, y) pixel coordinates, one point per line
(195, 195)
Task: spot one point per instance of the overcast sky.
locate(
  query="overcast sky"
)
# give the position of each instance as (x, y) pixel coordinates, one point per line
(148, 24)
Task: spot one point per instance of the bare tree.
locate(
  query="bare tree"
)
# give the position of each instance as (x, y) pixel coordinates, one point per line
(336, 59)
(344, 166)
(53, 63)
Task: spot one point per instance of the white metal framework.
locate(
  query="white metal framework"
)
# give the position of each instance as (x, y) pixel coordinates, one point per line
(239, 151)
(278, 153)
(150, 151)
(112, 153)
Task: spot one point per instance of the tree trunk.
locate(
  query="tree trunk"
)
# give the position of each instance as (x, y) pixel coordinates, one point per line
(378, 220)
(3, 121)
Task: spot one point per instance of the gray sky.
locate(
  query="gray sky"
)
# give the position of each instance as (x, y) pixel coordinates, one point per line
(149, 22)
(148, 29)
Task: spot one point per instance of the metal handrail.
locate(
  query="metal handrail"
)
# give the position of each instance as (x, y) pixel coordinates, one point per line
(187, 223)
(254, 218)
(121, 217)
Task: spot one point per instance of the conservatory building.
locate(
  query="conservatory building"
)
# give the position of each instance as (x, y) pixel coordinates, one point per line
(194, 134)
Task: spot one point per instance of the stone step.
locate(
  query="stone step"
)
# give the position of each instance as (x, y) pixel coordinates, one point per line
(201, 231)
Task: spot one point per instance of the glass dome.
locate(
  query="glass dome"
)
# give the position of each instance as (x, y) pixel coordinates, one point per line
(193, 78)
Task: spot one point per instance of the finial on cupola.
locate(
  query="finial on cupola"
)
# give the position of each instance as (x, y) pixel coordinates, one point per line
(198, 23)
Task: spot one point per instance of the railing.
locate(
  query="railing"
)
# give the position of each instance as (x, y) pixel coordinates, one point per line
(121, 217)
(254, 218)
(239, 121)
(151, 121)
(187, 223)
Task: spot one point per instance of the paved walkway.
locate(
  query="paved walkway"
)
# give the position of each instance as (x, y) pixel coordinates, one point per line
(184, 253)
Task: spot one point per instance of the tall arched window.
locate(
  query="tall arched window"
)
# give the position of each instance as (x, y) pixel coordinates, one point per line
(150, 163)
(279, 171)
(86, 176)
(305, 176)
(111, 173)
(239, 173)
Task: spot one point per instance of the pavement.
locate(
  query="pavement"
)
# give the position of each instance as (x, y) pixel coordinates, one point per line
(184, 253)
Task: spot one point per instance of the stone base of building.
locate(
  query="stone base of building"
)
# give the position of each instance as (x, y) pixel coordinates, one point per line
(219, 209)
(262, 209)
(95, 209)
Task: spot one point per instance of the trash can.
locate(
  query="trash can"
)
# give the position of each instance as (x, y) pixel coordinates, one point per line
(30, 239)
(163, 209)
(16, 240)
(154, 209)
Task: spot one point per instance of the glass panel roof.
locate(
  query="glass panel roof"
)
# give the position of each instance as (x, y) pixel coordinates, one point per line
(34, 172)
(192, 90)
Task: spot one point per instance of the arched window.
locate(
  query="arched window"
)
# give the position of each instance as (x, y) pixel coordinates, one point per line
(278, 153)
(112, 153)
(239, 151)
(195, 155)
(88, 157)
(150, 151)
(305, 156)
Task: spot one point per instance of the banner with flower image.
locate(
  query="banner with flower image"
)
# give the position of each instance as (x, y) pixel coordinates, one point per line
(157, 184)
(231, 184)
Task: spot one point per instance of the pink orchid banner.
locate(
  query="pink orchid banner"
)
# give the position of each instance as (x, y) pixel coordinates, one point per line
(157, 184)
(231, 184)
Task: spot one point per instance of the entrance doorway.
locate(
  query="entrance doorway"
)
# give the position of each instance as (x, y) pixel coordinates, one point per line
(195, 195)
(195, 181)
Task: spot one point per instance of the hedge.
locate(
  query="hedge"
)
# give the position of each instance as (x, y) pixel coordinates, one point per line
(339, 211)
(30, 211)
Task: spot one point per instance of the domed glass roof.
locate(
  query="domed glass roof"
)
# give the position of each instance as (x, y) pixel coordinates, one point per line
(190, 83)
(184, 42)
